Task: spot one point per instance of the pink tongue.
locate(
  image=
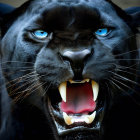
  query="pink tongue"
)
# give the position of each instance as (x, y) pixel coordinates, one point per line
(79, 99)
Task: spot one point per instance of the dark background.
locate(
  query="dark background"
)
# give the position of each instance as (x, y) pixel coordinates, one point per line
(121, 3)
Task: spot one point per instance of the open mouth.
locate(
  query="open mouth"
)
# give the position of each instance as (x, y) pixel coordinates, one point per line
(76, 106)
(78, 101)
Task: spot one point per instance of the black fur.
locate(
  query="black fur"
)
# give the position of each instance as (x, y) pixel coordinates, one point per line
(71, 26)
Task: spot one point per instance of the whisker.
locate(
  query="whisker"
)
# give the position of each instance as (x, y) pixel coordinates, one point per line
(39, 85)
(16, 62)
(136, 50)
(124, 85)
(126, 67)
(115, 84)
(18, 68)
(13, 72)
(128, 72)
(129, 59)
(35, 87)
(124, 78)
(123, 91)
(16, 99)
(22, 77)
(25, 84)
(129, 94)
(19, 87)
(34, 82)
(124, 41)
(134, 71)
(47, 88)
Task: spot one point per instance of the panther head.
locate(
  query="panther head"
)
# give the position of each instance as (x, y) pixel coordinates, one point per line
(67, 58)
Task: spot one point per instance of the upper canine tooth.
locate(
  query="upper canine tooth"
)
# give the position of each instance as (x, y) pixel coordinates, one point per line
(62, 90)
(67, 119)
(90, 118)
(95, 88)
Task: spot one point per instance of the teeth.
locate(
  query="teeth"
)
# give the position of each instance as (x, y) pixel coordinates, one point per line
(73, 82)
(95, 88)
(90, 118)
(74, 119)
(70, 119)
(67, 119)
(62, 90)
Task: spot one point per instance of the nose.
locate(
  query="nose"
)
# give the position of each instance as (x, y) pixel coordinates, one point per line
(77, 60)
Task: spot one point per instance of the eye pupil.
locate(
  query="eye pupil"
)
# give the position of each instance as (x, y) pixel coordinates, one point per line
(40, 34)
(102, 32)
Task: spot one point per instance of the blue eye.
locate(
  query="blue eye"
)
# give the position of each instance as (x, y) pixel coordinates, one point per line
(102, 32)
(40, 34)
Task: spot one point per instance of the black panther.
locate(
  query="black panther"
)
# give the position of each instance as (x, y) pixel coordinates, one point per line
(71, 70)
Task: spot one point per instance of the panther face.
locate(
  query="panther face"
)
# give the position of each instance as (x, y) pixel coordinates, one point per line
(64, 55)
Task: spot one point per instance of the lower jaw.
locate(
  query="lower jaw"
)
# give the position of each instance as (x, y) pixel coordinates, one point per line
(63, 129)
(82, 135)
(63, 132)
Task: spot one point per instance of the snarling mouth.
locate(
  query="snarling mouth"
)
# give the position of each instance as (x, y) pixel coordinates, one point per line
(78, 101)
(76, 105)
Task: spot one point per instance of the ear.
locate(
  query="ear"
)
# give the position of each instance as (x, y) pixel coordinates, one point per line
(131, 16)
(9, 14)
(134, 12)
(5, 9)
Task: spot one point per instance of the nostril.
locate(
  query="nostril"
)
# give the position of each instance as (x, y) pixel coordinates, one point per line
(64, 58)
(89, 55)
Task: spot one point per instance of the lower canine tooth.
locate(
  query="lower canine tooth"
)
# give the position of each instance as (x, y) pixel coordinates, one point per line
(67, 119)
(95, 88)
(90, 118)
